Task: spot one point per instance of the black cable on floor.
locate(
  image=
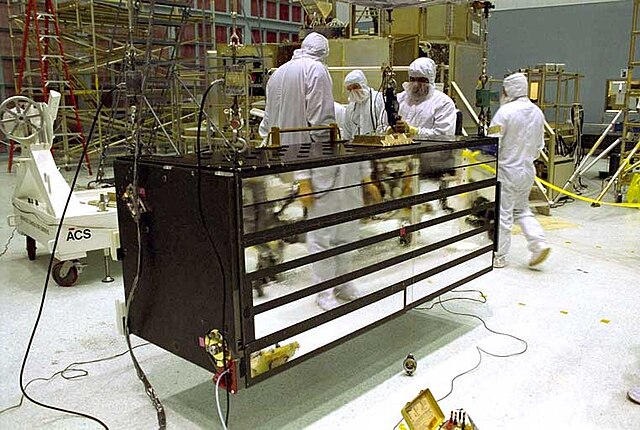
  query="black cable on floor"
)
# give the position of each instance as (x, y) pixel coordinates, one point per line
(482, 299)
(79, 373)
(6, 245)
(480, 350)
(46, 282)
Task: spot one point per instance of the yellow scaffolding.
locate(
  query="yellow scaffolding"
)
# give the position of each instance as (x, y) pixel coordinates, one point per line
(169, 41)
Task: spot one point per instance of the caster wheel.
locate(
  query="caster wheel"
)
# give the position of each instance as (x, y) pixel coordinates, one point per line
(64, 279)
(31, 248)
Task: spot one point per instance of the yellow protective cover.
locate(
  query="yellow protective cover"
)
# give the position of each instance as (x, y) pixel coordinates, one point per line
(633, 193)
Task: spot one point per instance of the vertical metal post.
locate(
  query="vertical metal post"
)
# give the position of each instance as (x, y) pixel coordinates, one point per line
(628, 134)
(107, 266)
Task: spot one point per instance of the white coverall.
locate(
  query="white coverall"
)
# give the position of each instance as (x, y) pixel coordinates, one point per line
(341, 112)
(300, 94)
(366, 114)
(520, 126)
(433, 115)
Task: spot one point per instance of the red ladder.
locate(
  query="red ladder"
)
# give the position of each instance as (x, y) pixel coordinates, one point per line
(51, 60)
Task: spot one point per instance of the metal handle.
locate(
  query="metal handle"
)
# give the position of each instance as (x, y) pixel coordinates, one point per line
(273, 139)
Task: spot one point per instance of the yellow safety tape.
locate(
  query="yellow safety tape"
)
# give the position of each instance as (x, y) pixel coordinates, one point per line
(473, 156)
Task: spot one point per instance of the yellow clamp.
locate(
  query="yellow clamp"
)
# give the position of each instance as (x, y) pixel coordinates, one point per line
(473, 156)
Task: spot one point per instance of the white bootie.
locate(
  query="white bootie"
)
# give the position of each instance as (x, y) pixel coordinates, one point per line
(539, 256)
(326, 300)
(347, 292)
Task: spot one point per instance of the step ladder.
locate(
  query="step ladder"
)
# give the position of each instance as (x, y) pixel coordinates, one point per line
(630, 139)
(43, 67)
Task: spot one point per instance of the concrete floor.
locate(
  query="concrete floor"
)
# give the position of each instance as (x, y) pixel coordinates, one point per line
(579, 314)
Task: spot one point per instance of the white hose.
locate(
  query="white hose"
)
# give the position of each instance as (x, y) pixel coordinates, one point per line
(224, 426)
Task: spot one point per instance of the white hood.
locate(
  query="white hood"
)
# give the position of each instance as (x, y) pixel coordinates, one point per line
(423, 68)
(515, 86)
(315, 46)
(356, 77)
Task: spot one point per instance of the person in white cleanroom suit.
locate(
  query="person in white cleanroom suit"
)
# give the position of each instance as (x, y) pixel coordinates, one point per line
(341, 114)
(300, 94)
(520, 126)
(365, 112)
(425, 110)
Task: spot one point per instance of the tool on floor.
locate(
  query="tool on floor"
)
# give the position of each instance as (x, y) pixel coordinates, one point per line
(424, 413)
(410, 365)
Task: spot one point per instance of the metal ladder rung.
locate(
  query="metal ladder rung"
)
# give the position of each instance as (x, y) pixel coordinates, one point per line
(56, 82)
(56, 56)
(41, 15)
(160, 22)
(162, 42)
(49, 36)
(69, 134)
(177, 3)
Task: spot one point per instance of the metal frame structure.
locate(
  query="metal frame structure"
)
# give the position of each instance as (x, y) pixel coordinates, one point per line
(178, 313)
(630, 139)
(557, 94)
(98, 42)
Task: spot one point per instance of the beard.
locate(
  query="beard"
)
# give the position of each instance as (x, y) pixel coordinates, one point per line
(416, 91)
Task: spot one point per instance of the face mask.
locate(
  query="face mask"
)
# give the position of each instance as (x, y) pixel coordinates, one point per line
(358, 96)
(417, 91)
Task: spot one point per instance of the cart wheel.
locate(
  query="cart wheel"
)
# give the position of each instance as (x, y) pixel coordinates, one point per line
(68, 279)
(31, 248)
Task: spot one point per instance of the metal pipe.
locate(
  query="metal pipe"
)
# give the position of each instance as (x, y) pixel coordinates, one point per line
(618, 172)
(544, 191)
(599, 157)
(364, 68)
(107, 266)
(579, 170)
(466, 103)
(604, 134)
(544, 156)
(160, 124)
(633, 166)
